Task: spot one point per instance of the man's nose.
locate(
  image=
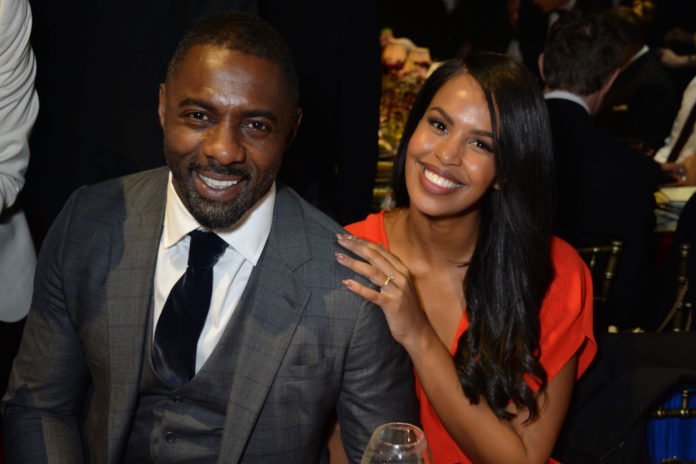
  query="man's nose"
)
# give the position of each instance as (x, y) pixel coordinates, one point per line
(224, 145)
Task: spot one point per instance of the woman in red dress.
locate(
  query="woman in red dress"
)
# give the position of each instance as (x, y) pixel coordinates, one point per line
(495, 312)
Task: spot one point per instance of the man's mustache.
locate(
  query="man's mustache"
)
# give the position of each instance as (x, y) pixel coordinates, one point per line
(217, 168)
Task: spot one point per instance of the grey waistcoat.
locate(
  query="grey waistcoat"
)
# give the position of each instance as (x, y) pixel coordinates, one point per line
(179, 425)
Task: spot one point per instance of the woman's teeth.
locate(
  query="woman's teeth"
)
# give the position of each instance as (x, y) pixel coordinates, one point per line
(217, 184)
(440, 181)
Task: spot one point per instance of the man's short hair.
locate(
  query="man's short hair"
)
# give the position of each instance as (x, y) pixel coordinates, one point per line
(633, 25)
(581, 52)
(243, 33)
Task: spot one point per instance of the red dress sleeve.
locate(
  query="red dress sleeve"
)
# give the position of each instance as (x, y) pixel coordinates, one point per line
(566, 314)
(371, 228)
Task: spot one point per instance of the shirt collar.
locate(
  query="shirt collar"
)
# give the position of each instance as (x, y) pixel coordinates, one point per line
(565, 95)
(248, 237)
(645, 49)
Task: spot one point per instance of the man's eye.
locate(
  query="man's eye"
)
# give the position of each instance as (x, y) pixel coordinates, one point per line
(197, 115)
(257, 126)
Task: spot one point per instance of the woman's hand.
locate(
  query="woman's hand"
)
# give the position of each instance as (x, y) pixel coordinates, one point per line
(397, 295)
(670, 59)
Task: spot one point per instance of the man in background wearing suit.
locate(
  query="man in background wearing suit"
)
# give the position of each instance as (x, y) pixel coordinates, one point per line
(605, 189)
(641, 104)
(111, 369)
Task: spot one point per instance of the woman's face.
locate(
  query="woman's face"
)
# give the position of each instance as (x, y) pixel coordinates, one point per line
(450, 163)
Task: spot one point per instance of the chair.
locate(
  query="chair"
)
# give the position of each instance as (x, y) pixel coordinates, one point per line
(671, 428)
(680, 316)
(602, 260)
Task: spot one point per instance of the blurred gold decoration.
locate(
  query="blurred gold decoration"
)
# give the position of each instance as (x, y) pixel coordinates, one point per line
(404, 68)
(644, 9)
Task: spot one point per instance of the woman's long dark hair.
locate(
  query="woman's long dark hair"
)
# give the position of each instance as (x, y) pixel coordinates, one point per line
(510, 270)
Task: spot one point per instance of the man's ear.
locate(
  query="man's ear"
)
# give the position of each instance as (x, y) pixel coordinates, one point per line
(540, 63)
(295, 127)
(162, 106)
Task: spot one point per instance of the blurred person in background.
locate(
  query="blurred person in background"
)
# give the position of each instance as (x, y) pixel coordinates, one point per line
(19, 106)
(605, 188)
(677, 153)
(535, 17)
(640, 106)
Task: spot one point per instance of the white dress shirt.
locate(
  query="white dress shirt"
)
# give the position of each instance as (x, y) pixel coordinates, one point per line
(688, 101)
(565, 95)
(231, 273)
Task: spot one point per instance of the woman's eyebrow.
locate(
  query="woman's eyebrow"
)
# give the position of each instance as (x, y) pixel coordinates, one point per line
(443, 114)
(483, 133)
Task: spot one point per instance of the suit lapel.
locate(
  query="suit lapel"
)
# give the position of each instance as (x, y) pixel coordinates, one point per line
(129, 298)
(264, 323)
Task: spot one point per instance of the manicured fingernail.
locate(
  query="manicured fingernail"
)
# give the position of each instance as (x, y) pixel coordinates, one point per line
(340, 256)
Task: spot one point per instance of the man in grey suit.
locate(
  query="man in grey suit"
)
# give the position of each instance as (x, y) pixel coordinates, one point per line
(284, 347)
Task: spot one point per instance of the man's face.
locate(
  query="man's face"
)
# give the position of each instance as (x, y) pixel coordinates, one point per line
(227, 119)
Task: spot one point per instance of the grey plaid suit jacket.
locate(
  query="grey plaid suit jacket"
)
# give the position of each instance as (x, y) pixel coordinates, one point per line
(300, 346)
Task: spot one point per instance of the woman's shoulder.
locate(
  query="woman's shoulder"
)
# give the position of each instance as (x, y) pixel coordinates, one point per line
(565, 258)
(566, 315)
(563, 251)
(569, 267)
(371, 228)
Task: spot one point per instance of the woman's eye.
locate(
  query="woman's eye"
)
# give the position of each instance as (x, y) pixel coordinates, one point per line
(482, 146)
(437, 124)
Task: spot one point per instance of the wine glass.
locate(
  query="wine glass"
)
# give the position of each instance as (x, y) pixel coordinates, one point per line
(397, 442)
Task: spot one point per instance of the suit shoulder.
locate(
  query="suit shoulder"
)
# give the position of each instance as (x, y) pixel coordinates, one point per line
(316, 220)
(307, 236)
(123, 190)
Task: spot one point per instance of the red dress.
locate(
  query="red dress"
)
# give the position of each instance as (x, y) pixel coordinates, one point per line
(566, 328)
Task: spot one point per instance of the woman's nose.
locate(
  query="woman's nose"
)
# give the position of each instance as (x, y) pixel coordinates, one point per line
(448, 151)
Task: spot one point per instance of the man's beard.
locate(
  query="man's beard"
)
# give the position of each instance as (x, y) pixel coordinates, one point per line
(217, 214)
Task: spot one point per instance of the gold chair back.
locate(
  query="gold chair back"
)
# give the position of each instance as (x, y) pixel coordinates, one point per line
(602, 260)
(680, 316)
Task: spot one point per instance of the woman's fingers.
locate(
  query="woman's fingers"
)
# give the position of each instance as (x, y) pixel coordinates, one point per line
(373, 253)
(365, 269)
(363, 291)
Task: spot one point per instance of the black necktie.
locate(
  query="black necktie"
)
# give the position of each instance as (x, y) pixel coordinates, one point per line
(686, 130)
(180, 324)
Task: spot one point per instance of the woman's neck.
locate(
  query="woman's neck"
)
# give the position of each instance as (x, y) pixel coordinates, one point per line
(431, 240)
